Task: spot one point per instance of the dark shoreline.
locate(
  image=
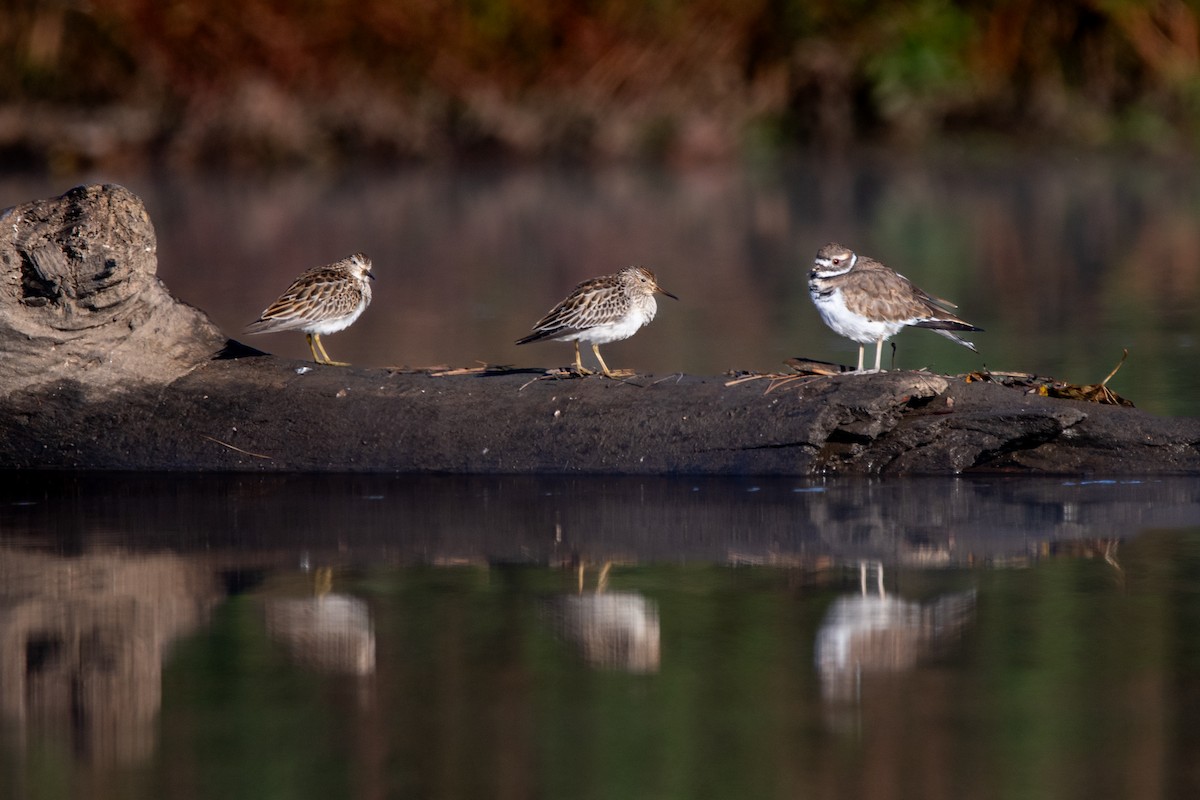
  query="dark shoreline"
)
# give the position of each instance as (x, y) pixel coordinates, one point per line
(263, 414)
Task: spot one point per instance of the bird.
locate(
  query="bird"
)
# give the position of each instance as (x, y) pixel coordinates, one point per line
(865, 301)
(601, 310)
(324, 299)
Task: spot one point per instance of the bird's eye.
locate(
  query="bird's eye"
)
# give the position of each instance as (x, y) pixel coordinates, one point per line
(837, 261)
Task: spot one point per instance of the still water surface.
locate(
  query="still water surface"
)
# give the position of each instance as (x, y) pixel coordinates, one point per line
(374, 636)
(369, 636)
(1064, 261)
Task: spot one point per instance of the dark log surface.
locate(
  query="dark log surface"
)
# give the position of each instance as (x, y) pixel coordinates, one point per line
(103, 369)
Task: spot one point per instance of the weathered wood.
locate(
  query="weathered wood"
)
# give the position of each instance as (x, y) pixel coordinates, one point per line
(103, 369)
(80, 301)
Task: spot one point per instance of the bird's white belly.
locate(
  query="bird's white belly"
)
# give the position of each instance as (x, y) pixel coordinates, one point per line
(612, 331)
(853, 326)
(327, 326)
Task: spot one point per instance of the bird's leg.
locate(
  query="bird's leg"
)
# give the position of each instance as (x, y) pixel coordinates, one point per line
(860, 358)
(603, 366)
(579, 362)
(324, 356)
(313, 348)
(878, 352)
(316, 338)
(621, 373)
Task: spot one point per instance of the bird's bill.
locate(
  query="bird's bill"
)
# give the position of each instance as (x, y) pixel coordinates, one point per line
(663, 291)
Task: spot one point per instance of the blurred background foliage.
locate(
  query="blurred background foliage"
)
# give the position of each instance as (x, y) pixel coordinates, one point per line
(297, 82)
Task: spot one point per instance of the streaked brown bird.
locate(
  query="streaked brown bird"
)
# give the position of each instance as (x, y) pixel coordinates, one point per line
(602, 310)
(323, 300)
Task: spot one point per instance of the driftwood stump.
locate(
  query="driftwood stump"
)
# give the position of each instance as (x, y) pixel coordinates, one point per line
(80, 301)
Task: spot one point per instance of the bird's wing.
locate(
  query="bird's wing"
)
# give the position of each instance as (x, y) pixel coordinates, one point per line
(317, 294)
(591, 303)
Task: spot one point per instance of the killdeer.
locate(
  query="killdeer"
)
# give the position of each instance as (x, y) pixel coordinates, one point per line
(865, 301)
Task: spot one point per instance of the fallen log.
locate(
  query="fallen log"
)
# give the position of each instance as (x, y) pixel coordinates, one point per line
(103, 369)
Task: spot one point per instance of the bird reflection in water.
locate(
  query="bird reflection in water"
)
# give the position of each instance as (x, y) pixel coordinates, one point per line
(612, 630)
(329, 632)
(875, 633)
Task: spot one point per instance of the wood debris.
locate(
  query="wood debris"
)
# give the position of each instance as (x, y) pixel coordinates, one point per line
(1051, 387)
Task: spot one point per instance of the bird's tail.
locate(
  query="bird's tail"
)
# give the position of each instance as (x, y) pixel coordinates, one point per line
(539, 335)
(954, 337)
(943, 326)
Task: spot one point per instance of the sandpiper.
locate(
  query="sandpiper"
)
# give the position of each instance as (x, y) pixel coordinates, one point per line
(865, 301)
(323, 300)
(602, 310)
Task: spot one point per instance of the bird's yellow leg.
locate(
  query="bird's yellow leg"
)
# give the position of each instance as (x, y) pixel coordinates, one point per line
(621, 373)
(579, 362)
(313, 348)
(325, 356)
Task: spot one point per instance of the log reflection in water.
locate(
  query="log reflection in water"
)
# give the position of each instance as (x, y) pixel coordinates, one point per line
(82, 642)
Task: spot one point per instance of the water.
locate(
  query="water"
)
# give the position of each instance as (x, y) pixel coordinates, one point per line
(387, 636)
(1065, 262)
(369, 636)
